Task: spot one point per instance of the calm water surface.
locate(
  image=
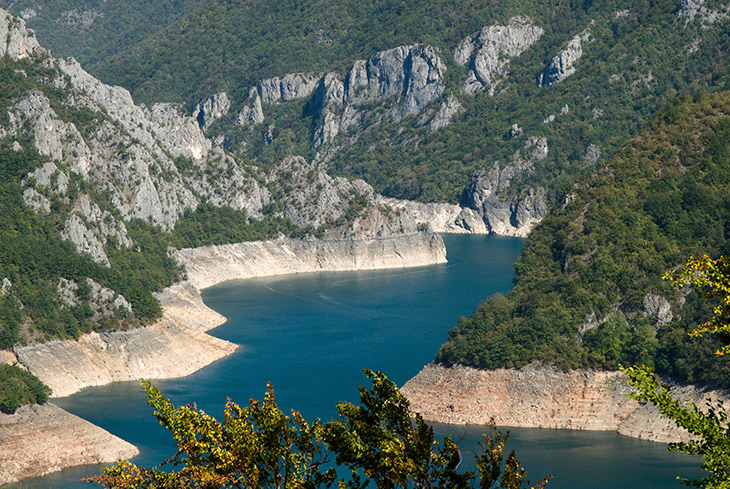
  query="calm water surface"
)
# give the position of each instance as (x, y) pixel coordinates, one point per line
(311, 335)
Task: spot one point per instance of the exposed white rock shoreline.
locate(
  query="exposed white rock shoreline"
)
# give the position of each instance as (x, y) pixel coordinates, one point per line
(175, 346)
(544, 398)
(211, 265)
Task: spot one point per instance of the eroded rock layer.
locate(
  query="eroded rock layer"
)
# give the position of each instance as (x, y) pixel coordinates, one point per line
(210, 265)
(38, 440)
(544, 398)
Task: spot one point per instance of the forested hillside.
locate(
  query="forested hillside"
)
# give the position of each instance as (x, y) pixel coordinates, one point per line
(92, 31)
(588, 284)
(632, 58)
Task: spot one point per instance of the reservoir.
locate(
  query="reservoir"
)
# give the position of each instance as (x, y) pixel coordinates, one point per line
(312, 335)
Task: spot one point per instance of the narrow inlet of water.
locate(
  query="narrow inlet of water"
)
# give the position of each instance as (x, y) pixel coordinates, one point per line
(311, 335)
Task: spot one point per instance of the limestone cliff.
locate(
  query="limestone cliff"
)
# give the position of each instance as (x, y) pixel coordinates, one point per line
(544, 398)
(488, 52)
(38, 440)
(487, 193)
(563, 64)
(210, 265)
(410, 77)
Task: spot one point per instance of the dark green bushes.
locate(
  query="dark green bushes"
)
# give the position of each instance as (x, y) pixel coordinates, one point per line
(19, 387)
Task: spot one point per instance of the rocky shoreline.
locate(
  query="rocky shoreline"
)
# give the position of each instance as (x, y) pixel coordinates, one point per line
(38, 440)
(175, 346)
(211, 265)
(536, 397)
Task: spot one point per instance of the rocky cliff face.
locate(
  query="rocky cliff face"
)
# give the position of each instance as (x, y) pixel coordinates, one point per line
(410, 77)
(563, 64)
(504, 215)
(544, 398)
(16, 41)
(155, 163)
(211, 109)
(290, 87)
(488, 52)
(689, 10)
(210, 265)
(38, 440)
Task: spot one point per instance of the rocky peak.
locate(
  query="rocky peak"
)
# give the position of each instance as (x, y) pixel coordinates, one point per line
(562, 65)
(488, 52)
(16, 40)
(409, 77)
(252, 112)
(211, 109)
(161, 126)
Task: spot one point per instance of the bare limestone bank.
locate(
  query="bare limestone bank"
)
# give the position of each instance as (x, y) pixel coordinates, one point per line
(544, 398)
(174, 346)
(38, 440)
(211, 265)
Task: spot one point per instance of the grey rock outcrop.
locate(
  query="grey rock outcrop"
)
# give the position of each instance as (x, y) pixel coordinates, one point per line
(689, 10)
(290, 87)
(489, 50)
(311, 196)
(449, 108)
(563, 64)
(252, 112)
(440, 218)
(16, 40)
(211, 109)
(592, 155)
(410, 77)
(103, 300)
(153, 163)
(90, 228)
(656, 305)
(508, 216)
(5, 286)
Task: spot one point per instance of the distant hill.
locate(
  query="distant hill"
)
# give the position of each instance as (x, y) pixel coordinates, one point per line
(93, 31)
(588, 289)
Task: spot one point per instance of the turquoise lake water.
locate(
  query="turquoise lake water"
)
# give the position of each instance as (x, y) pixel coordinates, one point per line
(311, 335)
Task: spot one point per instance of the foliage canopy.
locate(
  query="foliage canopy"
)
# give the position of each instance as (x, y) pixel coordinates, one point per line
(709, 426)
(379, 441)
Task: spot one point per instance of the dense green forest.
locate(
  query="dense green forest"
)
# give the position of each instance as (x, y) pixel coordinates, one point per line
(590, 268)
(19, 387)
(92, 31)
(640, 55)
